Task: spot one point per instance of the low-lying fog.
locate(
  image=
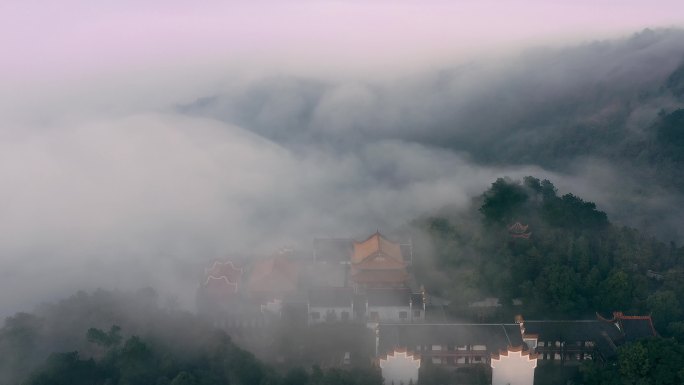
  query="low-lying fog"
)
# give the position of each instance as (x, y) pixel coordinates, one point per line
(140, 179)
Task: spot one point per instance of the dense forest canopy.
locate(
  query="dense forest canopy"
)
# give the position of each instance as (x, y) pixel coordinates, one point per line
(574, 263)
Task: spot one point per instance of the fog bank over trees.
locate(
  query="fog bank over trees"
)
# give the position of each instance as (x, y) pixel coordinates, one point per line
(140, 183)
(603, 113)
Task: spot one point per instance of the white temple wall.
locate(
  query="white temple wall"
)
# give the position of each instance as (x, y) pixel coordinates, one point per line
(514, 369)
(389, 313)
(399, 368)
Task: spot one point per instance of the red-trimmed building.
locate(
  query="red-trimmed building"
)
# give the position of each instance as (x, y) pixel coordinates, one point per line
(632, 327)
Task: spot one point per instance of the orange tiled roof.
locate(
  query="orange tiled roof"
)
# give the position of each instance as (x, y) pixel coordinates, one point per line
(378, 250)
(274, 275)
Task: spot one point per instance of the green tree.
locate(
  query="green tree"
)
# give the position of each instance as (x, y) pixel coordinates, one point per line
(615, 292)
(665, 308)
(633, 363)
(101, 338)
(136, 362)
(67, 369)
(503, 202)
(560, 287)
(296, 376)
(19, 345)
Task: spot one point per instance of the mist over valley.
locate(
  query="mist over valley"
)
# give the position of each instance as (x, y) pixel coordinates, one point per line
(542, 181)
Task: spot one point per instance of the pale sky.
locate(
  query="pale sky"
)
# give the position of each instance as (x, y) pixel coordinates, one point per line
(48, 39)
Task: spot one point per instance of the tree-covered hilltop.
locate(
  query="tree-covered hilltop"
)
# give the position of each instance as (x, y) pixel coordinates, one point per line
(565, 260)
(569, 261)
(73, 342)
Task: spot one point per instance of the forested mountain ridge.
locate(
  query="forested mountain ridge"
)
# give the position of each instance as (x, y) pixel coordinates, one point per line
(565, 260)
(543, 106)
(603, 112)
(572, 263)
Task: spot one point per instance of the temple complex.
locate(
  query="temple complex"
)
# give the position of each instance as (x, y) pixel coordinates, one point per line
(368, 286)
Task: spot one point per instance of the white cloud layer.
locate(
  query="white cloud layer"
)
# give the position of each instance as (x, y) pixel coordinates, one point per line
(123, 201)
(126, 182)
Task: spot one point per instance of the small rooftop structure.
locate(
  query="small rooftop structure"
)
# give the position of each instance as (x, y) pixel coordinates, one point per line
(518, 230)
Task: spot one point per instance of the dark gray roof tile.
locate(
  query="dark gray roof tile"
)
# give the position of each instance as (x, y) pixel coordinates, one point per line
(494, 336)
